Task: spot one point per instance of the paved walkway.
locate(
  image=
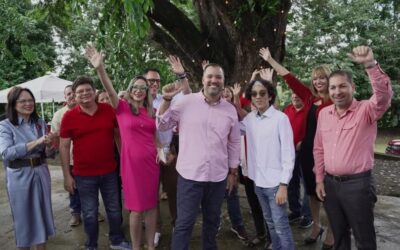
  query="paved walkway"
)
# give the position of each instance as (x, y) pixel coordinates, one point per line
(387, 223)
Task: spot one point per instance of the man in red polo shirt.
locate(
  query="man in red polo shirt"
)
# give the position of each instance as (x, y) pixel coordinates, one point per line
(299, 211)
(90, 126)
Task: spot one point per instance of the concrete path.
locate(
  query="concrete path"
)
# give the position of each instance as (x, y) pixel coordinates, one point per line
(387, 223)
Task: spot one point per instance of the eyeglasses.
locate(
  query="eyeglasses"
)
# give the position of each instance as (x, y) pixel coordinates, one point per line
(141, 87)
(27, 101)
(82, 91)
(152, 81)
(261, 93)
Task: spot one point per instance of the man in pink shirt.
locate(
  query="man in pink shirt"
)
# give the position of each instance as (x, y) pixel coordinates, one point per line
(344, 152)
(209, 151)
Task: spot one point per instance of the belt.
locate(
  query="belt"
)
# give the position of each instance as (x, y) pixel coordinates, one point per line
(30, 162)
(341, 178)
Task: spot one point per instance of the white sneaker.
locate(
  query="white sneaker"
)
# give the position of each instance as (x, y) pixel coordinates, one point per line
(157, 237)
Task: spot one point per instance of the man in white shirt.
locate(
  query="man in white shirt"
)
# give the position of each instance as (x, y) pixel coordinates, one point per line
(270, 159)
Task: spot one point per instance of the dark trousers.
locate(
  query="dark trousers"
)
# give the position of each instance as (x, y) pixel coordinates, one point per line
(192, 194)
(256, 211)
(74, 200)
(89, 187)
(349, 205)
(297, 205)
(169, 179)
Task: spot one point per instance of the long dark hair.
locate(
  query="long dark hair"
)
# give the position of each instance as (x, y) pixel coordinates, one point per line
(148, 100)
(12, 98)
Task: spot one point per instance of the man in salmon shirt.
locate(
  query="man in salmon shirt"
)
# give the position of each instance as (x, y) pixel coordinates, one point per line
(344, 152)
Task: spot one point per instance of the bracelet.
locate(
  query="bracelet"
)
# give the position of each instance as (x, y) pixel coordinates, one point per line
(181, 76)
(167, 99)
(283, 184)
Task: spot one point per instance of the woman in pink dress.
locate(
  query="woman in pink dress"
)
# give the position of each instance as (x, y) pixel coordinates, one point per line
(139, 169)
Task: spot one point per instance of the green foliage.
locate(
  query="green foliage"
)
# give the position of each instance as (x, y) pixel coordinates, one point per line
(323, 31)
(27, 50)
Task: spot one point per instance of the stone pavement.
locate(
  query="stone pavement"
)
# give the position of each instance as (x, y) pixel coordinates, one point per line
(387, 223)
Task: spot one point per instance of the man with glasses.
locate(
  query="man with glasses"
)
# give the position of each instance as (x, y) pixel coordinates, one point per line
(91, 126)
(270, 165)
(153, 78)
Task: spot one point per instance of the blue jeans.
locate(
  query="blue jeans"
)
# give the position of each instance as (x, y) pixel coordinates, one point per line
(190, 195)
(276, 218)
(296, 205)
(232, 200)
(88, 187)
(74, 200)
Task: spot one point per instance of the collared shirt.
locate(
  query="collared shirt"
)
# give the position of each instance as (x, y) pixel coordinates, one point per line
(344, 144)
(93, 139)
(157, 101)
(298, 121)
(56, 124)
(270, 149)
(13, 139)
(209, 137)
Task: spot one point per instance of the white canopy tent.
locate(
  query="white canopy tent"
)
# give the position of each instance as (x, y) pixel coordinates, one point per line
(45, 89)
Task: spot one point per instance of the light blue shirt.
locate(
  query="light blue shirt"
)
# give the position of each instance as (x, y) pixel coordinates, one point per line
(270, 149)
(13, 139)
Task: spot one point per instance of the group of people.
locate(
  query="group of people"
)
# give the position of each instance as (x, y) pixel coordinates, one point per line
(199, 145)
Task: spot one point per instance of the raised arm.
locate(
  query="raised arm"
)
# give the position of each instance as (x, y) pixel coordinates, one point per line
(97, 60)
(177, 68)
(381, 86)
(266, 55)
(297, 86)
(236, 90)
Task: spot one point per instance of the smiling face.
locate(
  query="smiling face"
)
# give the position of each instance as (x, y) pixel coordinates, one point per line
(69, 97)
(341, 91)
(104, 98)
(296, 101)
(213, 81)
(25, 104)
(228, 96)
(138, 90)
(85, 94)
(320, 83)
(260, 98)
(154, 79)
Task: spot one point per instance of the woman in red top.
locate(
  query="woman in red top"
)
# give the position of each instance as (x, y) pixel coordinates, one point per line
(314, 98)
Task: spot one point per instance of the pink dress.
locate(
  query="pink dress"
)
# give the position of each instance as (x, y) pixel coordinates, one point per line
(139, 171)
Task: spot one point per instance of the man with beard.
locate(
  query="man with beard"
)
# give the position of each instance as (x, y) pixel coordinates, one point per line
(209, 154)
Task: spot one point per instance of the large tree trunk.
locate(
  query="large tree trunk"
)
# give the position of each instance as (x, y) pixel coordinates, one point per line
(230, 34)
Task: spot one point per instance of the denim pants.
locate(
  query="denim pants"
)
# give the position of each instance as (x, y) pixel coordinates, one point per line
(88, 187)
(74, 200)
(276, 218)
(232, 201)
(297, 205)
(192, 194)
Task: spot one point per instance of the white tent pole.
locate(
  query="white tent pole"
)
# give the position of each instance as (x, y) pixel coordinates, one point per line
(53, 108)
(41, 106)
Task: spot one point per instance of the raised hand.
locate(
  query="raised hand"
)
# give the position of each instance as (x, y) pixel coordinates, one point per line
(176, 65)
(204, 63)
(362, 55)
(170, 90)
(254, 74)
(236, 89)
(265, 54)
(96, 58)
(267, 74)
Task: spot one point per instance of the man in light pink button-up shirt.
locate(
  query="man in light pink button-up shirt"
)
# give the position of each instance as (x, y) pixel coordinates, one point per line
(344, 152)
(209, 151)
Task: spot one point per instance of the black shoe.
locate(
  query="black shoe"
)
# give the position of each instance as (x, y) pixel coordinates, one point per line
(240, 232)
(306, 223)
(310, 240)
(294, 218)
(326, 247)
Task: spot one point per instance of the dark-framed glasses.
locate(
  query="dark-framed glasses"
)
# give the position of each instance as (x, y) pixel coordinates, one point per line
(262, 93)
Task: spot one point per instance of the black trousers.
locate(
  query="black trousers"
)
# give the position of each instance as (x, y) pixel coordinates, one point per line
(349, 204)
